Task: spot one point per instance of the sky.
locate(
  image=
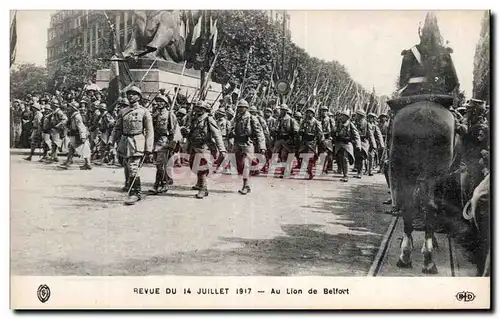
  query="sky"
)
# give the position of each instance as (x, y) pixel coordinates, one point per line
(367, 43)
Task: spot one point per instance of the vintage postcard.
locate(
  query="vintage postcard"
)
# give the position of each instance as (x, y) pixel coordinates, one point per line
(250, 159)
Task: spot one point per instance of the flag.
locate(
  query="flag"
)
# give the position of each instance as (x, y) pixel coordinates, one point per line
(197, 30)
(213, 33)
(13, 39)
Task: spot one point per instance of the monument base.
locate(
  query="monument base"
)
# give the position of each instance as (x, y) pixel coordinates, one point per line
(164, 75)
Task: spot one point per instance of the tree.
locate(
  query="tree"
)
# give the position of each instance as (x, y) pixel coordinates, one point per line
(76, 68)
(481, 73)
(27, 78)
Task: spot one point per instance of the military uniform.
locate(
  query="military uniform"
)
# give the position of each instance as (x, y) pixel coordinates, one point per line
(328, 127)
(36, 130)
(94, 129)
(379, 142)
(312, 135)
(271, 126)
(286, 133)
(134, 129)
(384, 128)
(105, 125)
(248, 136)
(346, 139)
(224, 126)
(202, 130)
(78, 139)
(166, 137)
(16, 123)
(58, 121)
(368, 143)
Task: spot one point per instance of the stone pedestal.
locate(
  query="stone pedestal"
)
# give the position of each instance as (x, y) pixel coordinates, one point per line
(164, 75)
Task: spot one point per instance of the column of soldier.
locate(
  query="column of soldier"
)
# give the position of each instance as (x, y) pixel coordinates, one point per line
(138, 131)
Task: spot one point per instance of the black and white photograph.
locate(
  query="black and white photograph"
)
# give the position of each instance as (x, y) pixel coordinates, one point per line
(280, 144)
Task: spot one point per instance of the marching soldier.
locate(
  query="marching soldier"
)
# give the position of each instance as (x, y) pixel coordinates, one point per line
(346, 140)
(78, 135)
(165, 140)
(271, 125)
(202, 129)
(224, 125)
(379, 142)
(383, 124)
(230, 118)
(94, 128)
(36, 131)
(134, 130)
(328, 127)
(368, 143)
(47, 140)
(16, 112)
(286, 133)
(58, 121)
(311, 136)
(248, 136)
(265, 130)
(106, 124)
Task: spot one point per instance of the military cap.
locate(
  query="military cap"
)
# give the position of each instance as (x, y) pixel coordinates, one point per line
(383, 115)
(74, 105)
(253, 109)
(371, 115)
(361, 113)
(243, 103)
(44, 99)
(84, 102)
(55, 102)
(182, 111)
(162, 98)
(221, 111)
(345, 113)
(230, 112)
(324, 107)
(310, 109)
(203, 105)
(284, 107)
(268, 109)
(102, 105)
(37, 106)
(298, 114)
(134, 89)
(124, 101)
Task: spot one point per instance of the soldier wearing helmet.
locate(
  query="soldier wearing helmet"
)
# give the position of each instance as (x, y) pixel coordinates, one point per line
(106, 123)
(286, 135)
(263, 123)
(134, 131)
(368, 143)
(58, 121)
(224, 125)
(271, 126)
(311, 135)
(346, 140)
(78, 138)
(248, 136)
(328, 126)
(36, 131)
(379, 142)
(166, 136)
(202, 129)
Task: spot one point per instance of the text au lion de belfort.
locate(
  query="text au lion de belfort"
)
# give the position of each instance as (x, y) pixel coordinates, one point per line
(240, 291)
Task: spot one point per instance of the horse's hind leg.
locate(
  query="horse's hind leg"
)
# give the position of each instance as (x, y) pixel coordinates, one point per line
(407, 242)
(429, 206)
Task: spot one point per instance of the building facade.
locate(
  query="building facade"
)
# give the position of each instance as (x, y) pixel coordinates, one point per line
(85, 30)
(88, 30)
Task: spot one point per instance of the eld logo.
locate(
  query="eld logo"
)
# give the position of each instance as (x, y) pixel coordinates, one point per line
(43, 293)
(465, 296)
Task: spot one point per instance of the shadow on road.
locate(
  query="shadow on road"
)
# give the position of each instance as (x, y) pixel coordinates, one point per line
(302, 249)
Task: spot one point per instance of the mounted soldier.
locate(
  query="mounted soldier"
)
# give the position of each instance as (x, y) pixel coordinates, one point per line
(422, 136)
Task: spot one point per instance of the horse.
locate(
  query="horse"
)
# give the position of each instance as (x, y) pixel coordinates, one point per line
(421, 153)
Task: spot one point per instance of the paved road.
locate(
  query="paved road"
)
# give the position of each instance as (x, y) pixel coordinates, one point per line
(74, 223)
